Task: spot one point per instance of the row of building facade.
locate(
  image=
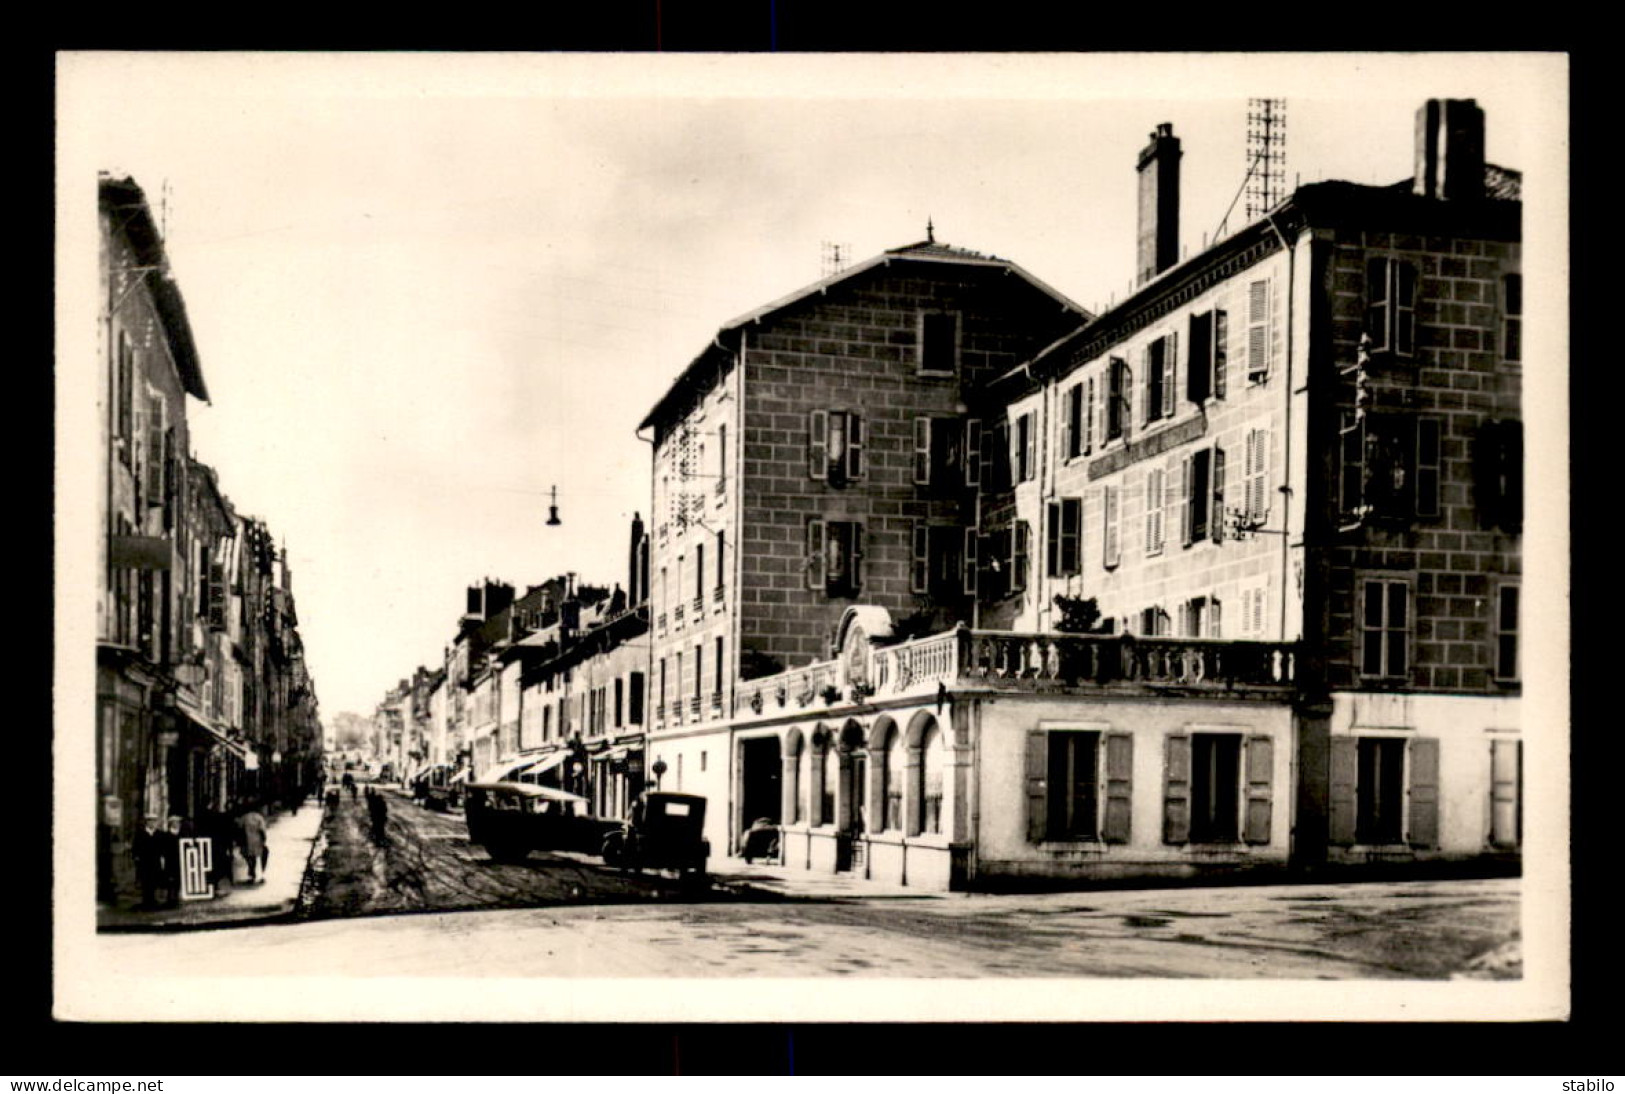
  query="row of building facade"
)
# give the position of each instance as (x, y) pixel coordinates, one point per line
(960, 585)
(203, 699)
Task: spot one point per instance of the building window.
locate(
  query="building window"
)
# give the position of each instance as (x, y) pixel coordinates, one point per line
(1506, 793)
(892, 772)
(1205, 357)
(1090, 413)
(634, 714)
(830, 761)
(1020, 549)
(719, 663)
(938, 561)
(1390, 312)
(1259, 304)
(1064, 529)
(1498, 474)
(932, 764)
(1202, 482)
(722, 457)
(1506, 632)
(1390, 468)
(1256, 497)
(1117, 395)
(1385, 629)
(939, 343)
(620, 702)
(947, 452)
(1219, 788)
(835, 446)
(1074, 787)
(1512, 317)
(720, 571)
(1109, 553)
(1155, 480)
(1380, 790)
(1072, 422)
(699, 570)
(1160, 356)
(1215, 786)
(1202, 617)
(1155, 623)
(835, 557)
(123, 399)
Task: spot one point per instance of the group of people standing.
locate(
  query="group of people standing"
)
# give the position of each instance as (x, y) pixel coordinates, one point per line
(158, 856)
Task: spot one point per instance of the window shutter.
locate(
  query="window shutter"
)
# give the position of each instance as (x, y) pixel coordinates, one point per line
(855, 530)
(1176, 797)
(634, 704)
(854, 446)
(973, 452)
(1258, 330)
(1037, 791)
(1427, 467)
(1015, 450)
(1066, 425)
(1215, 518)
(1151, 370)
(1215, 618)
(1506, 761)
(1089, 411)
(1029, 436)
(1377, 274)
(1185, 494)
(1220, 352)
(1052, 539)
(1111, 503)
(155, 450)
(920, 567)
(1344, 764)
(922, 451)
(968, 561)
(1022, 547)
(1170, 372)
(1119, 788)
(1404, 309)
(1424, 784)
(1260, 776)
(815, 554)
(1198, 368)
(818, 444)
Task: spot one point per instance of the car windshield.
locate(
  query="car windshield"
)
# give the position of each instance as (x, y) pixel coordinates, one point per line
(676, 809)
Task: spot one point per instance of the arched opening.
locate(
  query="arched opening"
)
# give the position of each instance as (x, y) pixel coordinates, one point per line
(933, 771)
(792, 809)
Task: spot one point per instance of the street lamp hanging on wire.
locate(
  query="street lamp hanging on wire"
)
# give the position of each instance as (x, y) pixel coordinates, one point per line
(553, 508)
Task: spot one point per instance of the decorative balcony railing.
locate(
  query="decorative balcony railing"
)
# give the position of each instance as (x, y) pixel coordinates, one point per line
(1025, 662)
(677, 615)
(694, 706)
(699, 606)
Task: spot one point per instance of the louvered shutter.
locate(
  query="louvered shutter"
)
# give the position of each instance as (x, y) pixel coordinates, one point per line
(1037, 758)
(920, 561)
(1022, 547)
(1015, 448)
(1119, 788)
(1176, 796)
(1029, 434)
(969, 563)
(1215, 618)
(818, 444)
(1258, 330)
(1149, 365)
(1506, 761)
(155, 450)
(1170, 372)
(1260, 779)
(1052, 539)
(1404, 309)
(1424, 787)
(1215, 518)
(1344, 765)
(922, 451)
(1089, 412)
(816, 559)
(973, 452)
(854, 446)
(1221, 348)
(1186, 498)
(1068, 432)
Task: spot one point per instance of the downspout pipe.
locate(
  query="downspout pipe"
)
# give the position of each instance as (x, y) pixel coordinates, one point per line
(1286, 473)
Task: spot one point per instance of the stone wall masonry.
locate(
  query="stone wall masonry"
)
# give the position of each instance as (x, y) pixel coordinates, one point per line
(1458, 375)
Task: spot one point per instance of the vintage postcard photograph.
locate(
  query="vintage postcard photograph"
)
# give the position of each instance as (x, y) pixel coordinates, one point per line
(811, 537)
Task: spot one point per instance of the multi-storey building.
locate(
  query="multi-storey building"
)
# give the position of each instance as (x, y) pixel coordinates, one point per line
(1249, 543)
(823, 452)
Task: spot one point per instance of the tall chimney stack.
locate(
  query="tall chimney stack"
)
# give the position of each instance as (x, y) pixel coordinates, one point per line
(1450, 150)
(1159, 204)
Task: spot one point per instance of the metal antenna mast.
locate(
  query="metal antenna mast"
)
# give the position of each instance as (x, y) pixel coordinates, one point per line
(1266, 155)
(836, 257)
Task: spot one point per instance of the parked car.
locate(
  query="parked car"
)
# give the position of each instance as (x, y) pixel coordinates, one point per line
(510, 820)
(665, 833)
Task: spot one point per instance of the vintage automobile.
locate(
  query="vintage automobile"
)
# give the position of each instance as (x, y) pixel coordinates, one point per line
(663, 834)
(510, 820)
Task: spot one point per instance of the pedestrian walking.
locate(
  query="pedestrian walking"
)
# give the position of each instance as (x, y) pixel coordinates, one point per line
(218, 828)
(251, 837)
(378, 812)
(173, 832)
(150, 863)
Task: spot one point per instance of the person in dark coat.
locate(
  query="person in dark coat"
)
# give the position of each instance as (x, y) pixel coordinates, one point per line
(251, 836)
(172, 834)
(378, 812)
(150, 865)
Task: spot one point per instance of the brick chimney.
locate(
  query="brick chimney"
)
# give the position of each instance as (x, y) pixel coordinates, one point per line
(1450, 150)
(1159, 204)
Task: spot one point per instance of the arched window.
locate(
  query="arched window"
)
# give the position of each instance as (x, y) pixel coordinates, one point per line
(933, 760)
(892, 771)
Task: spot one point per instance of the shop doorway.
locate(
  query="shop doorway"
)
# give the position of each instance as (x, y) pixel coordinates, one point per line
(761, 775)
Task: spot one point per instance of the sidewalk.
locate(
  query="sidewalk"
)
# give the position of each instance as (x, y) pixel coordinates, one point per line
(792, 883)
(288, 837)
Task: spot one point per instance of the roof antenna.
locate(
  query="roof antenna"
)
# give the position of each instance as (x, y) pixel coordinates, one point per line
(930, 231)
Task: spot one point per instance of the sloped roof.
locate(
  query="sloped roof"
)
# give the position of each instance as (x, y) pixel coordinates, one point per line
(928, 250)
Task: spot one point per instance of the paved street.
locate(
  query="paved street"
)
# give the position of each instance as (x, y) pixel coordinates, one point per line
(427, 864)
(1427, 930)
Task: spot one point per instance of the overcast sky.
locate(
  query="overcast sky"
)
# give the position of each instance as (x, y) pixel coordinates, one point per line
(427, 288)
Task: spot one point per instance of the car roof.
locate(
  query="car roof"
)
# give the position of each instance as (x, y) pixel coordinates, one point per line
(529, 790)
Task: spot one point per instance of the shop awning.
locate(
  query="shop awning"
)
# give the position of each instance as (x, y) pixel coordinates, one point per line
(501, 772)
(612, 755)
(546, 763)
(460, 777)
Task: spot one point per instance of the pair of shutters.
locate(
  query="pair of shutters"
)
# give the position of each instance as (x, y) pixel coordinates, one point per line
(835, 446)
(941, 446)
(1160, 371)
(1422, 783)
(1024, 449)
(1391, 466)
(1257, 790)
(1205, 375)
(1260, 303)
(1202, 488)
(1117, 773)
(932, 557)
(1391, 306)
(835, 556)
(1064, 537)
